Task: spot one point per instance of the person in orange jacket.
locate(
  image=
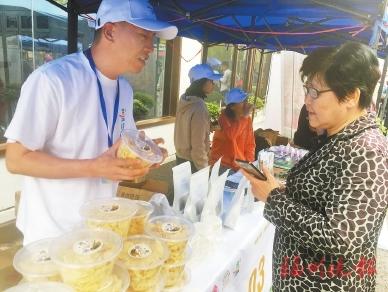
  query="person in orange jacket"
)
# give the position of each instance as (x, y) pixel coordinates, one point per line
(235, 139)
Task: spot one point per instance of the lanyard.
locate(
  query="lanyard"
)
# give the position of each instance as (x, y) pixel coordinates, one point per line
(89, 56)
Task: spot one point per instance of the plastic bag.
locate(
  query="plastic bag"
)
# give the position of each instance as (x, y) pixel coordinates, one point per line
(214, 201)
(215, 171)
(181, 176)
(161, 206)
(199, 186)
(249, 200)
(232, 215)
(206, 239)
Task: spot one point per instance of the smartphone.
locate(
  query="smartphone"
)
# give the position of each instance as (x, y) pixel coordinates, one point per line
(249, 167)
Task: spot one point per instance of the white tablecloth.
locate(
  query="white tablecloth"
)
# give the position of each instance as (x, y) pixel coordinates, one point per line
(242, 261)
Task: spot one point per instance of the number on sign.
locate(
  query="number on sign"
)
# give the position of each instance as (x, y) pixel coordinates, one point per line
(256, 281)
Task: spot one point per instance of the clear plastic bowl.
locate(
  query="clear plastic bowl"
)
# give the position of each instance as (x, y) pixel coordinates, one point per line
(41, 287)
(136, 145)
(34, 262)
(180, 284)
(174, 274)
(175, 231)
(143, 257)
(139, 220)
(119, 281)
(114, 214)
(85, 257)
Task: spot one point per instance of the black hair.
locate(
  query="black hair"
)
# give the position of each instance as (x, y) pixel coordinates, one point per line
(344, 69)
(196, 88)
(229, 112)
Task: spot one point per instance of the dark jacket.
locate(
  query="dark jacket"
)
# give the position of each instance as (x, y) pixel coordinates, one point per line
(329, 217)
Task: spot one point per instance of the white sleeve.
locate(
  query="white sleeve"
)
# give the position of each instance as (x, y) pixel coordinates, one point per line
(37, 112)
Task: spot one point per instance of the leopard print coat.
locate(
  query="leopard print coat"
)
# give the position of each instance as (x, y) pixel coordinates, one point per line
(329, 216)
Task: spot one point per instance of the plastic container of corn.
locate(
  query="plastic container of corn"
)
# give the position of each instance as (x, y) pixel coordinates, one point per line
(34, 262)
(176, 274)
(143, 257)
(85, 257)
(179, 286)
(119, 281)
(114, 214)
(139, 220)
(137, 145)
(175, 231)
(41, 287)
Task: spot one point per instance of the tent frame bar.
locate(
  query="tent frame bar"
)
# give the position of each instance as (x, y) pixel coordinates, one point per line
(357, 14)
(200, 12)
(57, 5)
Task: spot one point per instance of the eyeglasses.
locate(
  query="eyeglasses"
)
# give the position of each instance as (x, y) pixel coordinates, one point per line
(312, 92)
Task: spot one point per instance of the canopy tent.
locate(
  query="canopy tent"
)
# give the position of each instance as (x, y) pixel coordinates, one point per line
(274, 25)
(298, 25)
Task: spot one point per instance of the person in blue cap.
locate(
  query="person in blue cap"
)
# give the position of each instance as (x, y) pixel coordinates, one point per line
(192, 123)
(235, 139)
(65, 132)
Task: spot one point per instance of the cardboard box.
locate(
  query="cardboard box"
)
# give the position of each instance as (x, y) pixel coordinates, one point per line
(143, 191)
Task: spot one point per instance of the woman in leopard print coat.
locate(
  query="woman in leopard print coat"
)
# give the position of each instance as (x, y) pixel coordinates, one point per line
(329, 216)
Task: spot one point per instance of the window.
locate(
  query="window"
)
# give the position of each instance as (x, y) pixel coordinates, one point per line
(12, 22)
(22, 52)
(262, 83)
(25, 22)
(17, 59)
(42, 22)
(148, 85)
(241, 68)
(220, 58)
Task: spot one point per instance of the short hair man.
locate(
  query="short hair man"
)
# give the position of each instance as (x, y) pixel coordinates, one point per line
(66, 128)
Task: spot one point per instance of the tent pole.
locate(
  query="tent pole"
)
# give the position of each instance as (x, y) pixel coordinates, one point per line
(205, 48)
(248, 73)
(234, 67)
(382, 81)
(258, 82)
(72, 27)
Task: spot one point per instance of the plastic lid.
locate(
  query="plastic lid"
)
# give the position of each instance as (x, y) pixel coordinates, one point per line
(172, 228)
(41, 287)
(143, 208)
(142, 252)
(110, 209)
(34, 260)
(85, 248)
(142, 146)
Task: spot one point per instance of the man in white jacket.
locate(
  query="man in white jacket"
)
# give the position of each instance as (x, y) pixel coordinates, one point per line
(65, 132)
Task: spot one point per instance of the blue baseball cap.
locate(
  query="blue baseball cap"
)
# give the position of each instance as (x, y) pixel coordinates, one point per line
(203, 71)
(137, 12)
(235, 95)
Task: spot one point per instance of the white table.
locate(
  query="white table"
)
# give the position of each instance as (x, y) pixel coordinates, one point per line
(242, 261)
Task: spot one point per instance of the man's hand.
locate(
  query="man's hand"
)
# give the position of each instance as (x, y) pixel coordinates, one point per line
(158, 141)
(107, 165)
(22, 160)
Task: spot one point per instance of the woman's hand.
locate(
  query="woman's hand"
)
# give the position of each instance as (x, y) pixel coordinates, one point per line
(262, 188)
